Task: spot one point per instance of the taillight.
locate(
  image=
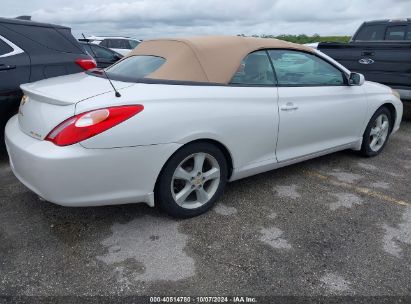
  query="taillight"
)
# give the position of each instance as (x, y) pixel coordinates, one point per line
(86, 64)
(89, 124)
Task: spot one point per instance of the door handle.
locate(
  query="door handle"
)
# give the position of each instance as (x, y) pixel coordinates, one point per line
(289, 106)
(6, 67)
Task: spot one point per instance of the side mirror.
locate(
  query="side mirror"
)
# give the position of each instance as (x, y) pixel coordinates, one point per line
(356, 79)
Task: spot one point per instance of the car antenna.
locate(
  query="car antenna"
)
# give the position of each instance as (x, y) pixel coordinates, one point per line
(117, 93)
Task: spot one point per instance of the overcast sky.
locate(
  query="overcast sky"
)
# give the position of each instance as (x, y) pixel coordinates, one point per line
(158, 18)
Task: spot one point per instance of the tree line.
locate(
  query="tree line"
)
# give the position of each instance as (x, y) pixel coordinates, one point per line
(305, 38)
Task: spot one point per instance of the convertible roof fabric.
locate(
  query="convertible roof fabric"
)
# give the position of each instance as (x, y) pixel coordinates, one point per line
(206, 59)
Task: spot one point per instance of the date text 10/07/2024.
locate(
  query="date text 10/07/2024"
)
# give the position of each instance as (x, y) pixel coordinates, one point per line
(203, 300)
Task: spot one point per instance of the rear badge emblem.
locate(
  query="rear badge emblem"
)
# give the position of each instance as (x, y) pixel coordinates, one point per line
(366, 61)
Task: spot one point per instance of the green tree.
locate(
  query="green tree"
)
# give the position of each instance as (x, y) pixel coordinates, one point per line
(302, 38)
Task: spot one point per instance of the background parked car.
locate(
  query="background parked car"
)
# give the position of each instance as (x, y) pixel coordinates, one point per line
(31, 51)
(122, 45)
(103, 56)
(381, 50)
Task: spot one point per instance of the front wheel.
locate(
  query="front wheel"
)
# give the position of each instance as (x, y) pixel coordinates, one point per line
(377, 133)
(192, 180)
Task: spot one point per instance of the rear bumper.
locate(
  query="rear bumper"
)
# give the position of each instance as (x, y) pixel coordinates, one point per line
(76, 176)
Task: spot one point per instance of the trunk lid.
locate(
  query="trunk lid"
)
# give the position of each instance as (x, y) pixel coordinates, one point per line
(49, 102)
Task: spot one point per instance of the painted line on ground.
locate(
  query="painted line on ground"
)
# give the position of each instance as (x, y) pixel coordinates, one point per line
(361, 190)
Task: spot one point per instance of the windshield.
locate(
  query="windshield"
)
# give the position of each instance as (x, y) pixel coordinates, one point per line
(136, 66)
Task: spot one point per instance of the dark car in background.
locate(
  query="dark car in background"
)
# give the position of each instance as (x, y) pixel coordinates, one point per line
(103, 56)
(31, 51)
(381, 50)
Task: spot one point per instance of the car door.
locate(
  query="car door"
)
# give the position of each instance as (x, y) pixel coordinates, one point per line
(256, 94)
(14, 65)
(318, 110)
(14, 70)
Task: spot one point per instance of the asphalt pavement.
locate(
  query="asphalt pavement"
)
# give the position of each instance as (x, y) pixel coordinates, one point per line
(336, 225)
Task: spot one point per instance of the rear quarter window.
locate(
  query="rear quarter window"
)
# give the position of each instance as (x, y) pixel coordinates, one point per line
(255, 69)
(5, 48)
(136, 66)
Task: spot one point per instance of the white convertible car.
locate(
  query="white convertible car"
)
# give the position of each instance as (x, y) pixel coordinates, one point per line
(188, 115)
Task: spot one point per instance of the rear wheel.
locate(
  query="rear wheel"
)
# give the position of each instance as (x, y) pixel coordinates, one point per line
(377, 133)
(192, 180)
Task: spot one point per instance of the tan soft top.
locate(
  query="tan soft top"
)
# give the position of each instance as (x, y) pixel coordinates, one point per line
(206, 59)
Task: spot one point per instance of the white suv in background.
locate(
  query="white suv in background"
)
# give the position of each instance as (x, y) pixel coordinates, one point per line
(122, 45)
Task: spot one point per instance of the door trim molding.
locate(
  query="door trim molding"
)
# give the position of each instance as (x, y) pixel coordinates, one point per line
(272, 164)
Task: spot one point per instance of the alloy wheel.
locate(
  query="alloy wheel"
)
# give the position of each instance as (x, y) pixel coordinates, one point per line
(379, 132)
(195, 180)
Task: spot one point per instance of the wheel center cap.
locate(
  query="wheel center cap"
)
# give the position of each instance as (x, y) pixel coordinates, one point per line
(197, 181)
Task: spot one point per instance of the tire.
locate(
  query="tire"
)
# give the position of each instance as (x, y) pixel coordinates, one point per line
(183, 191)
(373, 131)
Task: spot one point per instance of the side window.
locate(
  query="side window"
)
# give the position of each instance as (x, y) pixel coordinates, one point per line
(116, 44)
(109, 43)
(105, 43)
(295, 68)
(396, 32)
(408, 36)
(255, 69)
(112, 43)
(5, 48)
(371, 33)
